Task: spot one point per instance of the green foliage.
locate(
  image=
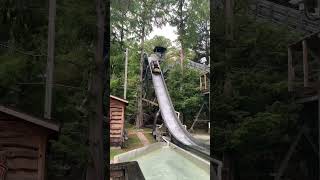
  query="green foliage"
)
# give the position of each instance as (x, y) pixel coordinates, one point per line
(22, 73)
(193, 23)
(254, 117)
(183, 87)
(128, 20)
(157, 41)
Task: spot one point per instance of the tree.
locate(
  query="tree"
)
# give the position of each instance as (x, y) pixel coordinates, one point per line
(95, 169)
(23, 49)
(198, 29)
(254, 117)
(150, 10)
(178, 18)
(183, 87)
(193, 23)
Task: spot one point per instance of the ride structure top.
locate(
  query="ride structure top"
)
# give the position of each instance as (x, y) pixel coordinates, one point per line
(160, 51)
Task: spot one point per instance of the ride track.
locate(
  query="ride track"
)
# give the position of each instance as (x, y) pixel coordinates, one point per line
(179, 135)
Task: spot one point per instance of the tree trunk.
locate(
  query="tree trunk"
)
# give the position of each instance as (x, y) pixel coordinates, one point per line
(228, 8)
(207, 43)
(139, 120)
(95, 169)
(181, 31)
(122, 33)
(227, 87)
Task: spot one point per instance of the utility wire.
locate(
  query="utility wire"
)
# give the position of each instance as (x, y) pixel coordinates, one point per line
(37, 55)
(23, 52)
(56, 84)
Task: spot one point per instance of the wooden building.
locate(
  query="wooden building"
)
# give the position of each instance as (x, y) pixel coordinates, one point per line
(117, 119)
(304, 86)
(287, 15)
(23, 140)
(304, 66)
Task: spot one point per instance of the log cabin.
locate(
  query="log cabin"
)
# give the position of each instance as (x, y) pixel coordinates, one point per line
(117, 119)
(23, 142)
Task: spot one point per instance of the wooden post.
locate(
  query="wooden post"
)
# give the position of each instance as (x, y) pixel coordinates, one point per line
(50, 59)
(200, 83)
(290, 71)
(305, 64)
(125, 75)
(205, 82)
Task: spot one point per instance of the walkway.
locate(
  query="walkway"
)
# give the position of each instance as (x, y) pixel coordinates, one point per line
(142, 138)
(140, 134)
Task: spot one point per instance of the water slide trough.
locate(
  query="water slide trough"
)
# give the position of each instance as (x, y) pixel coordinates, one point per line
(180, 135)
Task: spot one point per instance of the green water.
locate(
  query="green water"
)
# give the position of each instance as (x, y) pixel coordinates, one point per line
(166, 164)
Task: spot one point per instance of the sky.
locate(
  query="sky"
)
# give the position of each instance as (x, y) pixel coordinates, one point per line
(167, 31)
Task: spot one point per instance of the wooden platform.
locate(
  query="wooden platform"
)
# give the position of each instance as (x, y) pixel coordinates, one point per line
(304, 67)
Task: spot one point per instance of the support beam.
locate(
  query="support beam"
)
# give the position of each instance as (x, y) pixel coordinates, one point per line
(197, 116)
(290, 70)
(200, 83)
(305, 64)
(309, 139)
(285, 161)
(150, 102)
(205, 81)
(156, 104)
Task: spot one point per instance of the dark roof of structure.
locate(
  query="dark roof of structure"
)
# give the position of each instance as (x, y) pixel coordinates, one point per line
(313, 41)
(119, 99)
(159, 49)
(31, 119)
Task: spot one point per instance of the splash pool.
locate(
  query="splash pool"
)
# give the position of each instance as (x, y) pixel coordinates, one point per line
(167, 161)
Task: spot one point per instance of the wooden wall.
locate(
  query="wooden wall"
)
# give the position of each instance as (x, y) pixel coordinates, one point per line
(117, 109)
(22, 149)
